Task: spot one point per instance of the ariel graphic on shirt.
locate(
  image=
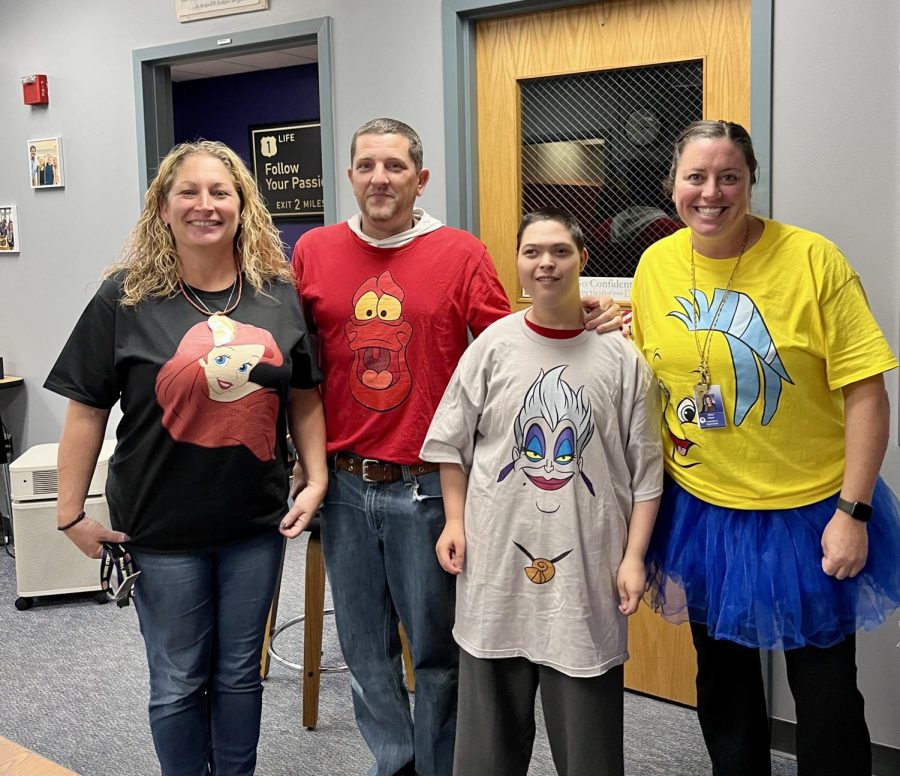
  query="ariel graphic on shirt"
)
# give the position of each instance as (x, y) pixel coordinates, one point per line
(378, 335)
(551, 431)
(205, 390)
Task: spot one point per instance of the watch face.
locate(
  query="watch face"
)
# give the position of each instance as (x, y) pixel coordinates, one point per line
(642, 127)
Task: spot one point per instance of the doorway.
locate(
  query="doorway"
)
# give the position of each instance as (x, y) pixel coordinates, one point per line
(577, 106)
(153, 88)
(231, 98)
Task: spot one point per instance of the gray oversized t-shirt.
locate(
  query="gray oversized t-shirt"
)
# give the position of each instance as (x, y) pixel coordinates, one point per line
(559, 437)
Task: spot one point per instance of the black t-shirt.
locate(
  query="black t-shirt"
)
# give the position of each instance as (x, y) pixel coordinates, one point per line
(201, 447)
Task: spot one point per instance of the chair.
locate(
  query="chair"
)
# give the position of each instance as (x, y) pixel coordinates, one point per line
(313, 619)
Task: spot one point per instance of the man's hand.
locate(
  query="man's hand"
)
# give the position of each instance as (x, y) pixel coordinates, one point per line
(601, 313)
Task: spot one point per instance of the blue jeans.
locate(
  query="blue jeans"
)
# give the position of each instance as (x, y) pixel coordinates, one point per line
(378, 540)
(202, 616)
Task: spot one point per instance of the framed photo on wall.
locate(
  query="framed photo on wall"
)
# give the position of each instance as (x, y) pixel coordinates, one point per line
(45, 163)
(10, 235)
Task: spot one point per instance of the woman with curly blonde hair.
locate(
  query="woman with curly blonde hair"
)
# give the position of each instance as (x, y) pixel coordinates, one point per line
(197, 331)
(150, 256)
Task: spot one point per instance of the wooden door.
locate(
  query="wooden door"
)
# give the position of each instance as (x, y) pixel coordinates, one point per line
(584, 39)
(600, 37)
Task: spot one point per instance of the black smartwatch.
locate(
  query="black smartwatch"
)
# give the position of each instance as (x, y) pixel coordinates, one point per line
(856, 509)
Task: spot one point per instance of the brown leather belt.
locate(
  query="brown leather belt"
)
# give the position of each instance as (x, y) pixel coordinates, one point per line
(373, 470)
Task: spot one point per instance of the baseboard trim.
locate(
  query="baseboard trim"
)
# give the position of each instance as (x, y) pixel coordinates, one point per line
(885, 759)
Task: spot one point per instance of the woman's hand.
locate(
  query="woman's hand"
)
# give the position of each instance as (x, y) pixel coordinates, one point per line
(601, 313)
(89, 535)
(306, 504)
(310, 484)
(79, 449)
(867, 417)
(845, 546)
(298, 479)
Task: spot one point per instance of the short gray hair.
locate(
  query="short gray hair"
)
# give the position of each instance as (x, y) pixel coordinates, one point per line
(391, 127)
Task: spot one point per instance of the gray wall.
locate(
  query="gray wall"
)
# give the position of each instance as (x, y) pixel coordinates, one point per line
(836, 170)
(85, 49)
(835, 163)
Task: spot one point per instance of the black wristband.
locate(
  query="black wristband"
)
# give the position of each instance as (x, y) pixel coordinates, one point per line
(856, 509)
(77, 520)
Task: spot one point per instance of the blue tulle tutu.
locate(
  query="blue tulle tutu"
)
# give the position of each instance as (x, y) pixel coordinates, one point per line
(755, 576)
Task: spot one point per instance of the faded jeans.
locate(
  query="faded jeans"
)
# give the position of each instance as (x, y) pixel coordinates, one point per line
(378, 540)
(202, 616)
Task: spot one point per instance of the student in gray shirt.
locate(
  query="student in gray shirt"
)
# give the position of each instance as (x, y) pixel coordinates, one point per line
(551, 471)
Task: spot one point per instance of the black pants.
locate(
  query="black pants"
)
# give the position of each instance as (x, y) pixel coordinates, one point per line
(495, 726)
(832, 737)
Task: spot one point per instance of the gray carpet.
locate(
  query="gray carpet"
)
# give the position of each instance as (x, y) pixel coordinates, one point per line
(73, 688)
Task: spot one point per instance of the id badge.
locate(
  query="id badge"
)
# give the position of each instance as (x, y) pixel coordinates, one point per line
(710, 407)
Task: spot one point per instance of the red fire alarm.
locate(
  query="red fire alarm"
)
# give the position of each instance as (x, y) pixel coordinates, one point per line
(34, 89)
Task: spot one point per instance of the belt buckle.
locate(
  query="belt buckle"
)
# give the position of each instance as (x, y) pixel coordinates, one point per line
(366, 462)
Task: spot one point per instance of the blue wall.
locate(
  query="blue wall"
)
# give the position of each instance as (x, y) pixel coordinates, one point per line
(225, 108)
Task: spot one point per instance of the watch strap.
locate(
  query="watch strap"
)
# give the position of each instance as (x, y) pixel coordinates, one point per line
(856, 509)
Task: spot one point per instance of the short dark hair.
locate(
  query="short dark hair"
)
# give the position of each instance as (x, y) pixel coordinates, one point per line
(711, 130)
(563, 217)
(391, 127)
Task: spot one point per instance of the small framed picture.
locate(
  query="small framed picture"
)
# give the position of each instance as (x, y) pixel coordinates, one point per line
(45, 163)
(10, 236)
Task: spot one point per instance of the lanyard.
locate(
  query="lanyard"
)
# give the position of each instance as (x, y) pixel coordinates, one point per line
(116, 556)
(703, 352)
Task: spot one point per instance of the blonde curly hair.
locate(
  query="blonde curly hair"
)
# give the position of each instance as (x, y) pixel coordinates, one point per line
(149, 257)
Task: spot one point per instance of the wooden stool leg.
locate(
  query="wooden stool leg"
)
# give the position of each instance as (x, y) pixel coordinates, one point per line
(407, 662)
(314, 607)
(265, 659)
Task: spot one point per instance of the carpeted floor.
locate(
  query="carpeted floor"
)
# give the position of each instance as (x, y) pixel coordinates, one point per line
(73, 688)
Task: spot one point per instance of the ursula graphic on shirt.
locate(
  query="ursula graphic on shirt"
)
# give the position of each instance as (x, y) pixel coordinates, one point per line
(206, 393)
(378, 336)
(551, 431)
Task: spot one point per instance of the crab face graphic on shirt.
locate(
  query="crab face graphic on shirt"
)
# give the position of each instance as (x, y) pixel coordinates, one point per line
(378, 336)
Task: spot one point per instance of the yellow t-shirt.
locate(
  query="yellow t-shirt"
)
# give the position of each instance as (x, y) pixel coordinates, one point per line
(795, 329)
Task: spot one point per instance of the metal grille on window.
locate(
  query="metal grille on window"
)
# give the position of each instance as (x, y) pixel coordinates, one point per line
(599, 145)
